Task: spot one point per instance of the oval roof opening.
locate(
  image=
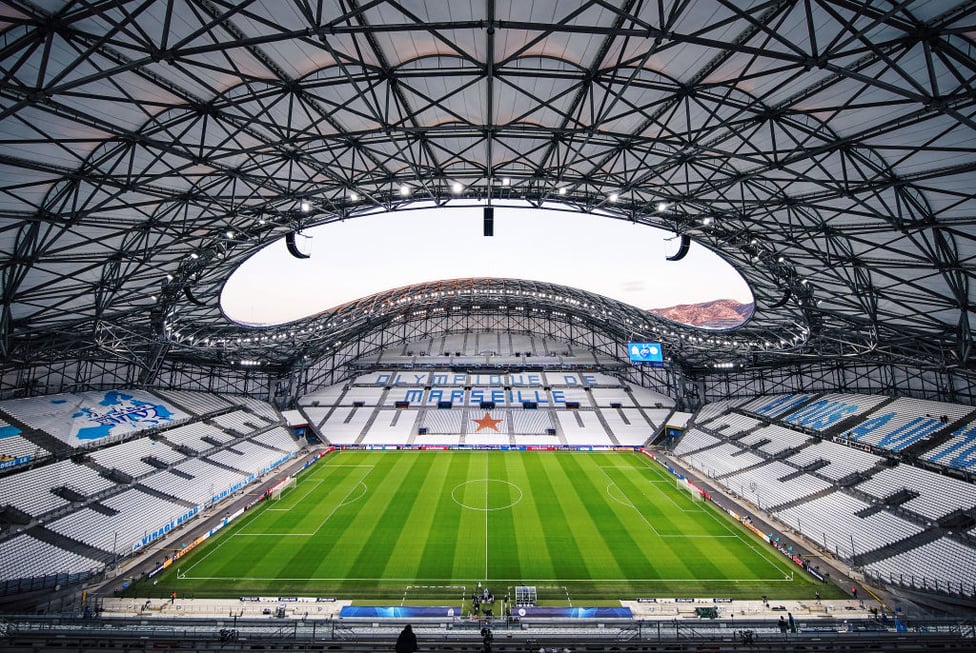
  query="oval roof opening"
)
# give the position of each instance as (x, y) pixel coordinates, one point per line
(356, 258)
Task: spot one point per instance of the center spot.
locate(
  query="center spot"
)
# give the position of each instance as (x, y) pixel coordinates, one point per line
(486, 494)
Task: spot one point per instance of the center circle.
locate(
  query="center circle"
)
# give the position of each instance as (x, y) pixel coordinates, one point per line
(486, 494)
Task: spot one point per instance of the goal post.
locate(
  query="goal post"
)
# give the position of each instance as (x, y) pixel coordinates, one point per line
(695, 493)
(280, 488)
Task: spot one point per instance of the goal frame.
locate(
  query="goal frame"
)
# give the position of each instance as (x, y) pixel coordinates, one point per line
(695, 493)
(279, 489)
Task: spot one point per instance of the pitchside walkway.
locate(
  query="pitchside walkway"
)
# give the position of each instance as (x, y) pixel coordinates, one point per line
(663, 609)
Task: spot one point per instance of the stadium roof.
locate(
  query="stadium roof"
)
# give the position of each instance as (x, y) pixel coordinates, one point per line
(825, 148)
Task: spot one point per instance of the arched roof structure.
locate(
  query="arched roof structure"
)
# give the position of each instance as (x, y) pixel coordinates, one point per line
(827, 148)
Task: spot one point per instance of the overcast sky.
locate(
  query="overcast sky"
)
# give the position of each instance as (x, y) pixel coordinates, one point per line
(366, 255)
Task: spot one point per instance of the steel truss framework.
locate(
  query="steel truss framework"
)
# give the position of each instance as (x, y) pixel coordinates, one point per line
(361, 354)
(824, 147)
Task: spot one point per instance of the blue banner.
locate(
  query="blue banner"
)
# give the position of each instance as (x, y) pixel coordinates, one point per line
(8, 461)
(441, 612)
(399, 612)
(573, 613)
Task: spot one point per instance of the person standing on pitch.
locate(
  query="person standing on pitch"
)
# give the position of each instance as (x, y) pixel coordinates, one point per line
(407, 641)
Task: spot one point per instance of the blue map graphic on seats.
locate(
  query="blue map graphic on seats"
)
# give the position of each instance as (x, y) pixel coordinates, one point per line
(119, 411)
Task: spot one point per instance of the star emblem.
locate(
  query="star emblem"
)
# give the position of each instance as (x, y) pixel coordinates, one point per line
(487, 422)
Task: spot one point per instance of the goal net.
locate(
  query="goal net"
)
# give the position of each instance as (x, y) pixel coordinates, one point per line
(280, 488)
(690, 489)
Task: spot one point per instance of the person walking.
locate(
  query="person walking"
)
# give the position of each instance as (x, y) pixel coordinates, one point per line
(791, 622)
(782, 624)
(407, 641)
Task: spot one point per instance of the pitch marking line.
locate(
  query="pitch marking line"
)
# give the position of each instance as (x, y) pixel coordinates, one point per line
(661, 481)
(721, 522)
(311, 482)
(486, 481)
(656, 489)
(629, 504)
(225, 539)
(345, 499)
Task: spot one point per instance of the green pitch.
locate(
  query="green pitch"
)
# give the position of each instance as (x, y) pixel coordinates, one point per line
(419, 525)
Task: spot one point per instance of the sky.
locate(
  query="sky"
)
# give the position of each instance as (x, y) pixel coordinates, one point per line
(365, 255)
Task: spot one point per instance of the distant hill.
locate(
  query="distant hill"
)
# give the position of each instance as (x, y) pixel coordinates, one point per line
(716, 314)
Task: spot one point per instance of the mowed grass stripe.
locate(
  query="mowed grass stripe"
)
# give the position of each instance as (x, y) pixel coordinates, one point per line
(328, 489)
(665, 558)
(256, 548)
(562, 551)
(662, 506)
(598, 557)
(736, 554)
(469, 558)
(629, 539)
(752, 555)
(437, 560)
(317, 512)
(619, 554)
(503, 549)
(419, 532)
(371, 544)
(530, 540)
(689, 531)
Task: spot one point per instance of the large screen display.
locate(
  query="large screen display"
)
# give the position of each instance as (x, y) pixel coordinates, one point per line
(646, 352)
